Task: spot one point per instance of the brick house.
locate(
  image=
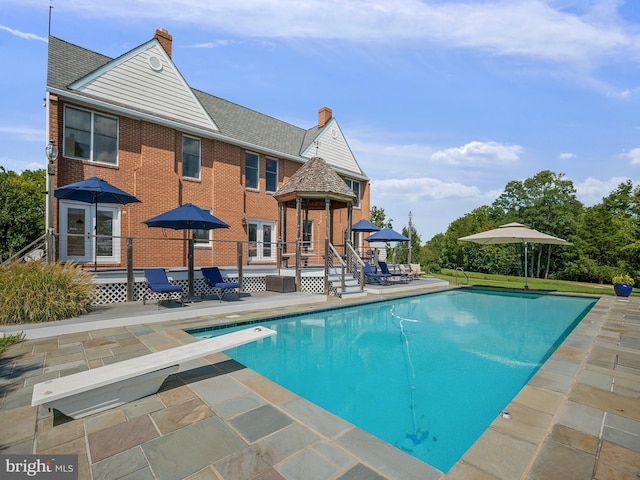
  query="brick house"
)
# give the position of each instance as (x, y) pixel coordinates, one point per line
(135, 122)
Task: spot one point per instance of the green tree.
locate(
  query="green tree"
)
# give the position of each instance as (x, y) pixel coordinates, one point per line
(22, 209)
(402, 250)
(379, 217)
(607, 240)
(547, 202)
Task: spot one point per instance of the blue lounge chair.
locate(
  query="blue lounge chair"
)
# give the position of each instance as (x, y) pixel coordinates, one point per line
(402, 277)
(371, 277)
(159, 283)
(213, 278)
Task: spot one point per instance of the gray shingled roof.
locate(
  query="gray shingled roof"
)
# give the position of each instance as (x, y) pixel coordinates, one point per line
(313, 178)
(68, 63)
(249, 126)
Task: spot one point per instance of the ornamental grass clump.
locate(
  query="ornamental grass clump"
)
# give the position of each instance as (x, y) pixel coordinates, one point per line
(32, 292)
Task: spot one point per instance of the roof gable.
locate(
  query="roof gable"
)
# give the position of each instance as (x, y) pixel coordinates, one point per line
(146, 79)
(332, 145)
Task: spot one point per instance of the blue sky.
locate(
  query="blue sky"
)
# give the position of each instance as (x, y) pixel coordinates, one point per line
(442, 102)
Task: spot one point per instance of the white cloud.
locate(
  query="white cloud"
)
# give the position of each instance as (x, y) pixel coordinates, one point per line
(26, 36)
(29, 134)
(633, 155)
(529, 28)
(592, 190)
(479, 153)
(214, 44)
(566, 156)
(413, 189)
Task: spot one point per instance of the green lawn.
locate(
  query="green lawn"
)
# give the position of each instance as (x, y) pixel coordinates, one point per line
(506, 281)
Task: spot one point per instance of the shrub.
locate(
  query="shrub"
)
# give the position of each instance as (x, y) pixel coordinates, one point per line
(622, 280)
(8, 340)
(32, 292)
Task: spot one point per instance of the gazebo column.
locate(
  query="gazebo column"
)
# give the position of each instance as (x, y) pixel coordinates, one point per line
(298, 242)
(349, 222)
(281, 231)
(327, 219)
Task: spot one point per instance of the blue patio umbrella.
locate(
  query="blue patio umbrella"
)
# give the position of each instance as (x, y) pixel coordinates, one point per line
(94, 190)
(387, 235)
(364, 225)
(184, 217)
(187, 217)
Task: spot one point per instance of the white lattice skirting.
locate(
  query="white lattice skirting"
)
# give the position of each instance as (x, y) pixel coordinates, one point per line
(116, 292)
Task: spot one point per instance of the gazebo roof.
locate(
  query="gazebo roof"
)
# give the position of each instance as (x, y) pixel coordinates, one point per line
(314, 182)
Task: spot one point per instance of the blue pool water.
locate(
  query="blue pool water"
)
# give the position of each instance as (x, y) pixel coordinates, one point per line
(427, 373)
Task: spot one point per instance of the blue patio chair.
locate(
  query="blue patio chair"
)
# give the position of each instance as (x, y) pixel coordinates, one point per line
(213, 278)
(158, 282)
(371, 277)
(403, 277)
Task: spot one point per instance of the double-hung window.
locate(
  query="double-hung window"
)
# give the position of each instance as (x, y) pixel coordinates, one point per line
(190, 157)
(271, 173)
(307, 235)
(90, 136)
(202, 238)
(251, 169)
(354, 185)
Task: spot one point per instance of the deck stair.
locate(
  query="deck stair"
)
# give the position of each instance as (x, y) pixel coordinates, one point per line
(351, 285)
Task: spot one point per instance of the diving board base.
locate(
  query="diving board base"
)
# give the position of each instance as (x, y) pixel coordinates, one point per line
(109, 386)
(112, 395)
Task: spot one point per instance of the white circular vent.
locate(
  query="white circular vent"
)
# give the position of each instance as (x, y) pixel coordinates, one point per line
(155, 63)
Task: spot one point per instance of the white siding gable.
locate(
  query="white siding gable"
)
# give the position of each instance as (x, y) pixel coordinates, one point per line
(334, 149)
(147, 80)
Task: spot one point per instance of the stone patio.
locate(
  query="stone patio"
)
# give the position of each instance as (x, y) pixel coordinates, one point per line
(578, 417)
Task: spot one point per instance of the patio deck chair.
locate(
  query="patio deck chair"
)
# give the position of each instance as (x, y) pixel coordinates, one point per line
(158, 282)
(416, 269)
(213, 278)
(371, 277)
(402, 277)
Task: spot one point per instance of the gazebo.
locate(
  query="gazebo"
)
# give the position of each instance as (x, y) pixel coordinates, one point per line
(314, 186)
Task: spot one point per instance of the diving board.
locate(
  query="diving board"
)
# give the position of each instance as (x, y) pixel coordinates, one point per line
(109, 386)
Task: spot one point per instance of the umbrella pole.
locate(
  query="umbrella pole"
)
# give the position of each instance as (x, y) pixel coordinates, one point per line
(190, 266)
(95, 238)
(526, 262)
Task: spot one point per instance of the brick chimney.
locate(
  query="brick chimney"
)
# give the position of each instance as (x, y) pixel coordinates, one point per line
(324, 115)
(165, 40)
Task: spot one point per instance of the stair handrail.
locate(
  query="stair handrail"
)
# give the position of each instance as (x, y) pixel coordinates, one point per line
(464, 273)
(334, 260)
(21, 255)
(355, 264)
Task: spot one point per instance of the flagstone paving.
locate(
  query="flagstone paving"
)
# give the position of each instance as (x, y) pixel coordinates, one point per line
(578, 417)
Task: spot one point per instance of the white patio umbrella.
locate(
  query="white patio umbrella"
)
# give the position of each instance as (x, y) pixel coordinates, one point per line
(514, 233)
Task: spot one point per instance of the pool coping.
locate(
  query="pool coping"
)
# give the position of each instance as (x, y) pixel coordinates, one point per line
(549, 401)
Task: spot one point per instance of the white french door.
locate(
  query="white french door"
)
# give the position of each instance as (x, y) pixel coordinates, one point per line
(261, 237)
(79, 224)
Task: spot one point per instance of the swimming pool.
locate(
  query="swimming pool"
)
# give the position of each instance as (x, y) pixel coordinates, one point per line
(427, 373)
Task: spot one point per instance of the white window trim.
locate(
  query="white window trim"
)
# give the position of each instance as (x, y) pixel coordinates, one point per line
(357, 203)
(90, 243)
(91, 158)
(257, 187)
(208, 244)
(310, 242)
(199, 157)
(277, 172)
(260, 240)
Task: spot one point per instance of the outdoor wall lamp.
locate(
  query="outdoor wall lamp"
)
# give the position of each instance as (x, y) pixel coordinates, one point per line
(244, 222)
